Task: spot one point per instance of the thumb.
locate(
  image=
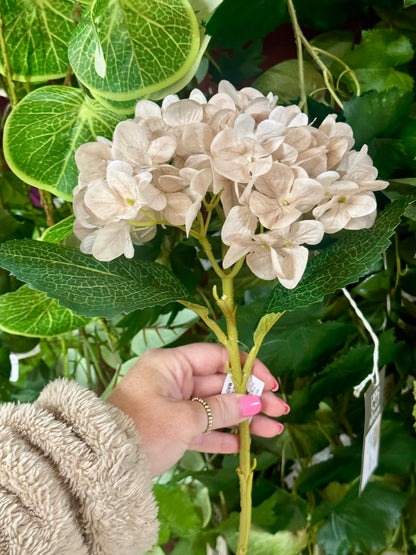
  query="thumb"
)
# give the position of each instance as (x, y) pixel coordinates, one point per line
(223, 411)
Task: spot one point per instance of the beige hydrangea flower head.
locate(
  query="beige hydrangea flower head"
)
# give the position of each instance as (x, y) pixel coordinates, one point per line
(349, 201)
(276, 254)
(277, 182)
(283, 194)
(92, 160)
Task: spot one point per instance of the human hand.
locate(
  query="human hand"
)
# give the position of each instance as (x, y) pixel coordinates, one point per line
(156, 393)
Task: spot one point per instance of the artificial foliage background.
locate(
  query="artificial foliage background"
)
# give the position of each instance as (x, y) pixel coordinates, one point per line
(70, 73)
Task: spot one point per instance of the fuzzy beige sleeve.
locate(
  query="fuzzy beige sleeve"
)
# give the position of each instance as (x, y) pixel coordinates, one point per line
(72, 478)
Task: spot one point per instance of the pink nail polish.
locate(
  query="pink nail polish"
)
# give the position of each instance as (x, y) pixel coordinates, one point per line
(275, 386)
(286, 407)
(281, 428)
(250, 405)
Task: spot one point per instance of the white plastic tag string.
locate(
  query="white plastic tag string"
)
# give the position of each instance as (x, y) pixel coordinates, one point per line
(373, 405)
(374, 374)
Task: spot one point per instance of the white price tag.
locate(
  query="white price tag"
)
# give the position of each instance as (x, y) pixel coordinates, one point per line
(254, 385)
(373, 399)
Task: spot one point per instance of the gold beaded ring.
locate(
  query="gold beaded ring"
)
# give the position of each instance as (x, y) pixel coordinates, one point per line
(208, 410)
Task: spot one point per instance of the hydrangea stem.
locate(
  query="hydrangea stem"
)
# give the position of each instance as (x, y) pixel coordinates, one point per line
(240, 375)
(228, 308)
(245, 474)
(245, 468)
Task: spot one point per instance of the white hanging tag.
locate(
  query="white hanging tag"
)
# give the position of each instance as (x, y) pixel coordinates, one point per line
(373, 399)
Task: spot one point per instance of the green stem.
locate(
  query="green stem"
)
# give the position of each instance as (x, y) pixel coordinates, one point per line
(46, 202)
(8, 74)
(245, 468)
(93, 358)
(341, 62)
(228, 308)
(64, 354)
(240, 376)
(245, 474)
(206, 245)
(303, 104)
(300, 38)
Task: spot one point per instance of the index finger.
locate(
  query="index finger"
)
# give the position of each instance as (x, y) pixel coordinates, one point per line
(211, 358)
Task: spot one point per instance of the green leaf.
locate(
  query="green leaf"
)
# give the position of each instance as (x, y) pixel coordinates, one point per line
(279, 511)
(408, 3)
(264, 543)
(381, 48)
(327, 14)
(360, 524)
(339, 376)
(147, 45)
(59, 231)
(186, 265)
(375, 58)
(163, 331)
(189, 75)
(342, 263)
(381, 79)
(37, 36)
(398, 452)
(43, 132)
(8, 225)
(87, 286)
(389, 157)
(377, 113)
(408, 136)
(204, 9)
(177, 513)
(32, 314)
(122, 107)
(283, 80)
(234, 23)
(303, 348)
(31, 383)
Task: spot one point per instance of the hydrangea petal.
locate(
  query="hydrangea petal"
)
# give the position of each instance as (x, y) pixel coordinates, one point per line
(112, 241)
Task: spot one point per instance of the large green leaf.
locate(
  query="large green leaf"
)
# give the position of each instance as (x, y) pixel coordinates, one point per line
(87, 286)
(143, 46)
(361, 524)
(283, 80)
(381, 48)
(375, 114)
(42, 134)
(32, 314)
(375, 58)
(342, 263)
(37, 36)
(301, 349)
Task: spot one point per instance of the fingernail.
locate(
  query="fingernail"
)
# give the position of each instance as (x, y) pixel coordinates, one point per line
(286, 407)
(276, 385)
(250, 405)
(281, 428)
